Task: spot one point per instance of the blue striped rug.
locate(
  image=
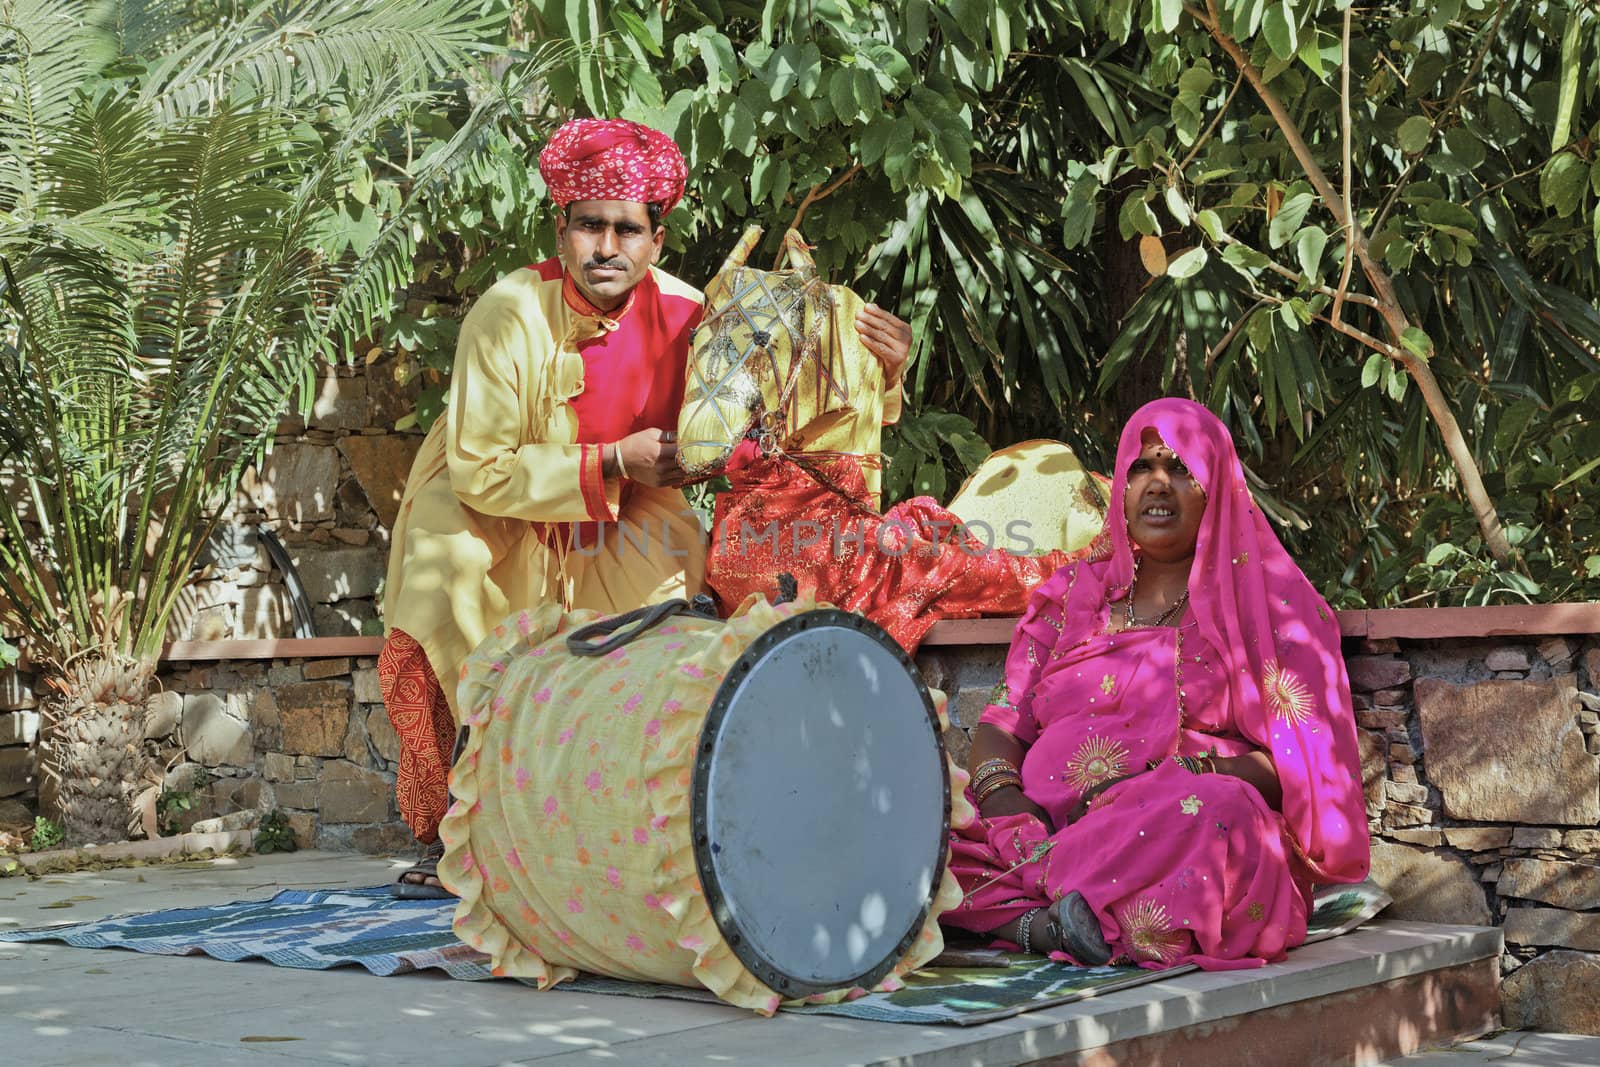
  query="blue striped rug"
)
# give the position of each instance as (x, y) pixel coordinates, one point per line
(320, 929)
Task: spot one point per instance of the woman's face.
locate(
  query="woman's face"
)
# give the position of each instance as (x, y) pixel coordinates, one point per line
(1163, 503)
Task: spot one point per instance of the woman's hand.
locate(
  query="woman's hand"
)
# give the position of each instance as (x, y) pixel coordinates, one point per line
(888, 337)
(1013, 801)
(1255, 768)
(1081, 808)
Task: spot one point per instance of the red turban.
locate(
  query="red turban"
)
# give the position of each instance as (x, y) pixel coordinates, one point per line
(612, 159)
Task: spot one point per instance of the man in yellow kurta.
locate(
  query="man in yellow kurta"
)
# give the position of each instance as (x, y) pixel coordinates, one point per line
(550, 447)
(550, 476)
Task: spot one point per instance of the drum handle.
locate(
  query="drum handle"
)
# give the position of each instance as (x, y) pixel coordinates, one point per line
(631, 624)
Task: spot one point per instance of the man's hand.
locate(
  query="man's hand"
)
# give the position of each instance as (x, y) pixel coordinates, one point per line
(1012, 801)
(887, 337)
(649, 457)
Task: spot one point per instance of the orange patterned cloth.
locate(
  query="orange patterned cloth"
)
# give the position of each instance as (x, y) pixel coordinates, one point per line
(426, 729)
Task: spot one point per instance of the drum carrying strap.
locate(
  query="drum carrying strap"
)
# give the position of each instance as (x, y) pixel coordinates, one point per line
(631, 624)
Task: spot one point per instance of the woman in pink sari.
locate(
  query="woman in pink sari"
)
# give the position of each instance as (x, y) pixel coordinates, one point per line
(1170, 765)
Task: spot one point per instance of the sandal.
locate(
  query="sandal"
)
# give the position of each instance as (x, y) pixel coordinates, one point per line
(1079, 930)
(427, 867)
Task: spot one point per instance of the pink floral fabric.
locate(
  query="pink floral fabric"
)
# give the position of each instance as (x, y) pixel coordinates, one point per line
(1179, 868)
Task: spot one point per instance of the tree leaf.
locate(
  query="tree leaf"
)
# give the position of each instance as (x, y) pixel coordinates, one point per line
(1465, 146)
(1245, 257)
(1417, 342)
(1372, 370)
(1211, 224)
(1153, 255)
(1136, 217)
(1078, 211)
(1177, 206)
(1168, 14)
(841, 94)
(1570, 73)
(1396, 383)
(1279, 27)
(1187, 264)
(1309, 244)
(1413, 134)
(1562, 183)
(1287, 221)
(1198, 79)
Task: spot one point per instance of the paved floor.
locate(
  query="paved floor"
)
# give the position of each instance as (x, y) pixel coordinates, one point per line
(1515, 1049)
(68, 1006)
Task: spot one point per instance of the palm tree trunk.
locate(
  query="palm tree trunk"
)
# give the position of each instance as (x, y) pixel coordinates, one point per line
(91, 748)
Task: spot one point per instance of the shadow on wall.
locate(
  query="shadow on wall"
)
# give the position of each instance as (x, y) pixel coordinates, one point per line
(247, 586)
(1429, 886)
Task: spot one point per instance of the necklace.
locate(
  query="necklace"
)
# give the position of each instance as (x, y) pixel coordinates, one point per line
(1160, 620)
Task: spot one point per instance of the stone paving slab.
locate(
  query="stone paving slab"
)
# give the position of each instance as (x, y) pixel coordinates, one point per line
(1514, 1049)
(62, 1005)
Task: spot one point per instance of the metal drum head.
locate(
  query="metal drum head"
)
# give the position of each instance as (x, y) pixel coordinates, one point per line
(821, 804)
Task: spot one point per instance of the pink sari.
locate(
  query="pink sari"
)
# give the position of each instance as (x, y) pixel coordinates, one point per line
(1179, 868)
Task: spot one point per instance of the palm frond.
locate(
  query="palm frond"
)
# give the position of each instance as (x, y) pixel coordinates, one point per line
(281, 55)
(48, 51)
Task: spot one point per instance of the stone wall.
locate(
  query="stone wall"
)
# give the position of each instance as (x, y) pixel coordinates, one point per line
(235, 740)
(329, 490)
(309, 738)
(19, 729)
(1479, 759)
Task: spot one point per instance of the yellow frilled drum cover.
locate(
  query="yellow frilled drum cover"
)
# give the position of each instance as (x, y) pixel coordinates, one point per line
(570, 837)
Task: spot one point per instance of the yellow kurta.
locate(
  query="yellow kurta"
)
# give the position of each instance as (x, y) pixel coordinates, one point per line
(485, 525)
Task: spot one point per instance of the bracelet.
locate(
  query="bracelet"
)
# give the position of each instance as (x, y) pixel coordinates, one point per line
(984, 773)
(1201, 764)
(983, 778)
(994, 786)
(1025, 931)
(994, 762)
(616, 453)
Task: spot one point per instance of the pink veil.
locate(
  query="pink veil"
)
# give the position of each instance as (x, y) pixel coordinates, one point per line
(1273, 634)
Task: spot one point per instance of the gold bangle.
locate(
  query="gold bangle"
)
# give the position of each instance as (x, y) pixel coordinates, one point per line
(995, 761)
(994, 786)
(988, 773)
(616, 453)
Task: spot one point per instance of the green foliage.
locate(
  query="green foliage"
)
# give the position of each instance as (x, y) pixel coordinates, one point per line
(1472, 172)
(275, 834)
(9, 654)
(925, 445)
(984, 170)
(187, 229)
(874, 126)
(46, 834)
(170, 807)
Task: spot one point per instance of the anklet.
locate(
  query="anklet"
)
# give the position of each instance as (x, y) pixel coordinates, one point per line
(1025, 931)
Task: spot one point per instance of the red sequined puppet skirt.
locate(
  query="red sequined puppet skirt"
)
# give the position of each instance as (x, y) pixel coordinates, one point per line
(813, 518)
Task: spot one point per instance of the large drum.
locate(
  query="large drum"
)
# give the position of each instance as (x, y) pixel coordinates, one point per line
(759, 806)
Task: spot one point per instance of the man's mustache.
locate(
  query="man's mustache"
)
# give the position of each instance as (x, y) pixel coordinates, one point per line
(614, 264)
